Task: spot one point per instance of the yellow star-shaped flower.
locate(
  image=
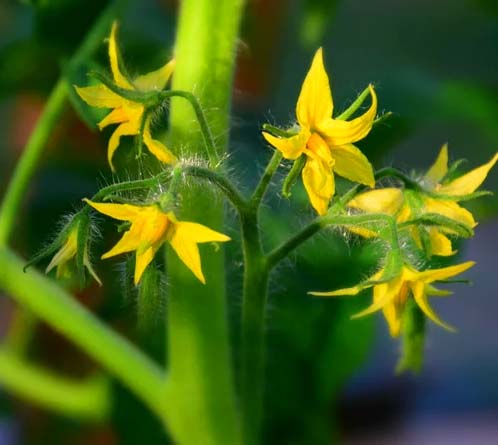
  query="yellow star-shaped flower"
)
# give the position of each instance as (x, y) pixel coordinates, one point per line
(150, 228)
(392, 295)
(128, 114)
(326, 142)
(392, 201)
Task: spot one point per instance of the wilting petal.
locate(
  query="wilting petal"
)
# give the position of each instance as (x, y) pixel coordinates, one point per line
(439, 169)
(440, 244)
(116, 116)
(197, 233)
(430, 275)
(114, 58)
(188, 252)
(123, 212)
(100, 96)
(339, 132)
(392, 314)
(155, 80)
(291, 148)
(158, 149)
(66, 252)
(319, 183)
(450, 209)
(469, 182)
(315, 100)
(126, 129)
(352, 164)
(418, 290)
(387, 200)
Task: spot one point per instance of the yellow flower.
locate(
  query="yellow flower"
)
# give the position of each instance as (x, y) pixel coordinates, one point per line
(392, 295)
(326, 142)
(393, 201)
(67, 253)
(150, 228)
(128, 114)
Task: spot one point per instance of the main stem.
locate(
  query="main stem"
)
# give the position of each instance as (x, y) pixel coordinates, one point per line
(253, 347)
(199, 357)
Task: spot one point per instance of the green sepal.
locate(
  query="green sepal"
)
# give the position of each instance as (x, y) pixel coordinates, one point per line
(291, 178)
(459, 198)
(81, 243)
(279, 132)
(354, 106)
(413, 332)
(435, 219)
(453, 171)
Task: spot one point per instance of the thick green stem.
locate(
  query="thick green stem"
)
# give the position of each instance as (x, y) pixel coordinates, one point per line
(60, 310)
(82, 399)
(198, 337)
(253, 347)
(49, 119)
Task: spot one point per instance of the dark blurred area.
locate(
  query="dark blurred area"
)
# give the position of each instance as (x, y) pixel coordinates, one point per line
(434, 65)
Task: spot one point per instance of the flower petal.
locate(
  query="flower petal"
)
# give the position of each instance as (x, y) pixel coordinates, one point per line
(123, 212)
(430, 275)
(314, 104)
(188, 252)
(197, 233)
(100, 96)
(116, 116)
(392, 314)
(125, 129)
(352, 164)
(450, 209)
(291, 148)
(114, 57)
(339, 132)
(418, 290)
(440, 244)
(155, 80)
(469, 182)
(66, 252)
(439, 169)
(142, 260)
(388, 200)
(158, 149)
(130, 241)
(319, 183)
(348, 291)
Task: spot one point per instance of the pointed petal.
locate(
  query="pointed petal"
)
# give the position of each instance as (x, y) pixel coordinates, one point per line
(99, 96)
(188, 252)
(339, 132)
(469, 182)
(158, 149)
(155, 80)
(388, 200)
(197, 233)
(314, 104)
(421, 299)
(439, 169)
(450, 209)
(291, 148)
(440, 244)
(430, 275)
(142, 260)
(319, 183)
(130, 241)
(352, 164)
(348, 291)
(116, 116)
(114, 58)
(383, 294)
(123, 212)
(125, 129)
(393, 319)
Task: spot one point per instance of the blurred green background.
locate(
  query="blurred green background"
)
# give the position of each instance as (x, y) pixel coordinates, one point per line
(330, 380)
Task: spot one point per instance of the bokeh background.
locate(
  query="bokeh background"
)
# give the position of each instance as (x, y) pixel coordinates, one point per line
(331, 380)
